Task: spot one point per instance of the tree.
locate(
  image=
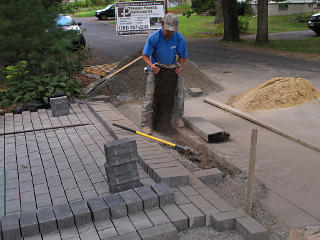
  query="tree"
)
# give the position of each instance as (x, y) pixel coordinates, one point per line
(219, 12)
(230, 19)
(262, 24)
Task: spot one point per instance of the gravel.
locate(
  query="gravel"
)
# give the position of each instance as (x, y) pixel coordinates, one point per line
(233, 189)
(208, 233)
(129, 84)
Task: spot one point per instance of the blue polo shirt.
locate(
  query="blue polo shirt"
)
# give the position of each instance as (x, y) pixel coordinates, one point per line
(164, 51)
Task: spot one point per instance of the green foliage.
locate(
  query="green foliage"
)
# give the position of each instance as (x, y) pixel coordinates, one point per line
(21, 87)
(302, 18)
(244, 22)
(71, 6)
(187, 13)
(199, 6)
(33, 50)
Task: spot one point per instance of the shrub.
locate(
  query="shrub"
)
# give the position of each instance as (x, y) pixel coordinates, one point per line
(22, 87)
(187, 13)
(200, 6)
(244, 22)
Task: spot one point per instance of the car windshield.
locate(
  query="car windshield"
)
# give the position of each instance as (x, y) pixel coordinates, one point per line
(107, 8)
(65, 21)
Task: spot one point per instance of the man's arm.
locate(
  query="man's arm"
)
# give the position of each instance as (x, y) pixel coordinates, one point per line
(153, 67)
(181, 64)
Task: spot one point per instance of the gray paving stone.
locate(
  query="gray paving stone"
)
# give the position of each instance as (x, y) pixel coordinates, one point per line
(99, 209)
(176, 216)
(10, 227)
(140, 221)
(117, 206)
(64, 216)
(165, 194)
(47, 220)
(103, 224)
(124, 178)
(149, 198)
(121, 169)
(73, 194)
(208, 176)
(59, 106)
(88, 232)
(160, 232)
(196, 217)
(127, 236)
(132, 200)
(81, 212)
(123, 225)
(157, 216)
(69, 233)
(187, 190)
(250, 229)
(226, 221)
(29, 224)
(108, 233)
(124, 186)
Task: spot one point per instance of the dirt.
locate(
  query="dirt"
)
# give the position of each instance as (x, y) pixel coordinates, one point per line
(129, 84)
(279, 92)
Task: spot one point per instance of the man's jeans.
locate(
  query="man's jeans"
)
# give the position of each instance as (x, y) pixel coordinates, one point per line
(146, 114)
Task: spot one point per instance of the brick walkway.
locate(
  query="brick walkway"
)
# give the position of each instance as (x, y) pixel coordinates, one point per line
(43, 167)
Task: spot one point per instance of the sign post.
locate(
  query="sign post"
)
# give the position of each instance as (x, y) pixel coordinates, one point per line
(138, 17)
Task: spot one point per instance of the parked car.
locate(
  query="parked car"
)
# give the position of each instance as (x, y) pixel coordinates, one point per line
(105, 13)
(314, 23)
(67, 23)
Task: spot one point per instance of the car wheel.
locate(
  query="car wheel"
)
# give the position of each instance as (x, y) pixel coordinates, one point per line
(103, 17)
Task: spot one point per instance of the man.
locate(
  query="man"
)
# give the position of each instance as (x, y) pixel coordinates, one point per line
(162, 47)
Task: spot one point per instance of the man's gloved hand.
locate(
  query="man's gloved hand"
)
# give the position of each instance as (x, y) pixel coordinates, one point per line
(155, 69)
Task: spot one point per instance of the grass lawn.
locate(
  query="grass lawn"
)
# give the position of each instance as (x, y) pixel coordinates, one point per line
(87, 12)
(180, 9)
(309, 46)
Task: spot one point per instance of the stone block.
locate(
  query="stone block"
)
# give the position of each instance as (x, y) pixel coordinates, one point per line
(250, 229)
(226, 221)
(47, 220)
(165, 194)
(208, 176)
(121, 169)
(124, 178)
(196, 217)
(10, 227)
(123, 225)
(121, 151)
(157, 216)
(140, 221)
(59, 106)
(108, 233)
(81, 212)
(102, 98)
(99, 209)
(176, 216)
(160, 232)
(29, 224)
(175, 176)
(195, 92)
(132, 200)
(118, 208)
(149, 198)
(64, 216)
(127, 236)
(124, 186)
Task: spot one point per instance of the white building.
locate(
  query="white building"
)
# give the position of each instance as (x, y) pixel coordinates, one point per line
(288, 7)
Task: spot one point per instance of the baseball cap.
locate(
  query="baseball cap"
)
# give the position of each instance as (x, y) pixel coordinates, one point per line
(170, 22)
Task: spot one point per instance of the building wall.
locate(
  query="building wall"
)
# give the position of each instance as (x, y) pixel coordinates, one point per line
(292, 8)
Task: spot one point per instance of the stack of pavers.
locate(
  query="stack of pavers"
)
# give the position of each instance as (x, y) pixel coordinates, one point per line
(121, 164)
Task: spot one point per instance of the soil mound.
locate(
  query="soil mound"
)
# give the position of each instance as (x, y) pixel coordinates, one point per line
(279, 92)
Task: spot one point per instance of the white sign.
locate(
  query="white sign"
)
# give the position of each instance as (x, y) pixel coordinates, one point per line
(138, 17)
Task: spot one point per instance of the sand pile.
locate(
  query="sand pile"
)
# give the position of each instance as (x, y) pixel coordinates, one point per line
(279, 92)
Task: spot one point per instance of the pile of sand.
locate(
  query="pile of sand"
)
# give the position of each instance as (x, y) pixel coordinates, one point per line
(279, 92)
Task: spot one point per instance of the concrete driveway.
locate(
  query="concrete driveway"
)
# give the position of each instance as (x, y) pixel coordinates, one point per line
(289, 170)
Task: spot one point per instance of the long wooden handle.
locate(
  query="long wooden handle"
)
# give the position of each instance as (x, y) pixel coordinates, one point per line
(124, 67)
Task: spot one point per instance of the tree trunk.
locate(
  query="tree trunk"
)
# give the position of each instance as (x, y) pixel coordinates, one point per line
(219, 12)
(262, 25)
(230, 19)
